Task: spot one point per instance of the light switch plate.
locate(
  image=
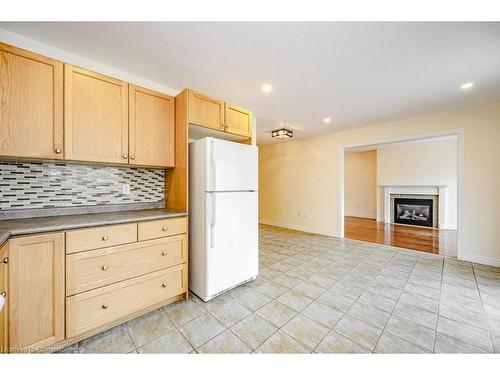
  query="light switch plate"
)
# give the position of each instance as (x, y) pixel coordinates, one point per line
(126, 189)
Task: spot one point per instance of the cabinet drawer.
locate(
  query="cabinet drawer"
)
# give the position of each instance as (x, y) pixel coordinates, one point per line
(93, 269)
(90, 310)
(97, 237)
(149, 230)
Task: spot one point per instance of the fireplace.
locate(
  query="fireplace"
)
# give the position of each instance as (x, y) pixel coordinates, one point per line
(414, 211)
(421, 193)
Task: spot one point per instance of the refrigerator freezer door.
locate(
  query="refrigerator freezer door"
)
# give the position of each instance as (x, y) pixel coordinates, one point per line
(231, 166)
(231, 240)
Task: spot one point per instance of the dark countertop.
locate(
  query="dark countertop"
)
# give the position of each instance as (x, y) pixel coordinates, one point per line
(18, 227)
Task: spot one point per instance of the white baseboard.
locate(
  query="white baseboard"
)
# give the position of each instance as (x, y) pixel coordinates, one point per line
(300, 228)
(374, 217)
(481, 260)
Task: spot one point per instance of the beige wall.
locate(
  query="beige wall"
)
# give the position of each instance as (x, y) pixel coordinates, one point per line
(426, 162)
(302, 175)
(360, 197)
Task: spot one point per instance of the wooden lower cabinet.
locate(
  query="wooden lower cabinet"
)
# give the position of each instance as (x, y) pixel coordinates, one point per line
(4, 274)
(98, 237)
(36, 296)
(100, 307)
(94, 269)
(60, 292)
(149, 230)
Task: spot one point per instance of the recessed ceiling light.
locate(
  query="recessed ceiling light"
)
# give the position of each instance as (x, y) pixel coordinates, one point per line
(466, 85)
(267, 88)
(327, 120)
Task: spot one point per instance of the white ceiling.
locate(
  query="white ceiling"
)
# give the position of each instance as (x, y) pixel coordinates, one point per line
(356, 73)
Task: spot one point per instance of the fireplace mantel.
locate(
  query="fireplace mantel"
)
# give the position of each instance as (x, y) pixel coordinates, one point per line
(439, 190)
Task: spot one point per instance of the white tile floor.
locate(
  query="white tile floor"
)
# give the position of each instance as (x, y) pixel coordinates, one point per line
(325, 295)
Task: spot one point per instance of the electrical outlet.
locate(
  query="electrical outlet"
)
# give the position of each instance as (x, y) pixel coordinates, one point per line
(125, 189)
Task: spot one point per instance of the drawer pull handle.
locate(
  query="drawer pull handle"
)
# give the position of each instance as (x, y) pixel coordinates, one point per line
(164, 229)
(104, 268)
(164, 253)
(104, 238)
(105, 306)
(164, 285)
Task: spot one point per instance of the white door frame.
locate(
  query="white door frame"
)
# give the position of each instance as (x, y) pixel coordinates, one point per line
(460, 174)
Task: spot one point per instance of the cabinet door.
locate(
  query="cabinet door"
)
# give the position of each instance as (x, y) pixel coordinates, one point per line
(95, 117)
(31, 104)
(238, 120)
(5, 292)
(36, 301)
(151, 128)
(205, 111)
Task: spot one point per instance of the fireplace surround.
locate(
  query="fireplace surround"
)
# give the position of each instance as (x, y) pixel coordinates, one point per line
(436, 193)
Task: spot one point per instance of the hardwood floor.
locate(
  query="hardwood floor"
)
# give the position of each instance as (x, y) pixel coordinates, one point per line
(437, 241)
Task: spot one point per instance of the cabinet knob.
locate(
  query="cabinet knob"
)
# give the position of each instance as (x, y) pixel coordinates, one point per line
(105, 306)
(5, 260)
(104, 238)
(3, 294)
(124, 156)
(58, 150)
(104, 268)
(165, 229)
(164, 285)
(164, 253)
(132, 157)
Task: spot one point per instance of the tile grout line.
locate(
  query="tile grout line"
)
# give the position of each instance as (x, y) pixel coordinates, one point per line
(482, 307)
(469, 325)
(439, 307)
(392, 312)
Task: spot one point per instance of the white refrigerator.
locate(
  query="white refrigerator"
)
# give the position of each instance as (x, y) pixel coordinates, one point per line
(223, 230)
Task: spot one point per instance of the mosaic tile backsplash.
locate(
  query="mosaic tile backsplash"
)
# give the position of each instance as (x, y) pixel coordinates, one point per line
(25, 185)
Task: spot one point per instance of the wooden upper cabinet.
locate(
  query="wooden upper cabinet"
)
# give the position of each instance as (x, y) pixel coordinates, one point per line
(31, 104)
(151, 128)
(205, 111)
(238, 120)
(36, 304)
(95, 117)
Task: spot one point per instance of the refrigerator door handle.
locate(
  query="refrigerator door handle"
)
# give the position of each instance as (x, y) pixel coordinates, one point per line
(212, 175)
(212, 223)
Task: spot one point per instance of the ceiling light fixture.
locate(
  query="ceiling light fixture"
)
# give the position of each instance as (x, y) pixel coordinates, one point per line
(282, 133)
(466, 86)
(327, 120)
(267, 88)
